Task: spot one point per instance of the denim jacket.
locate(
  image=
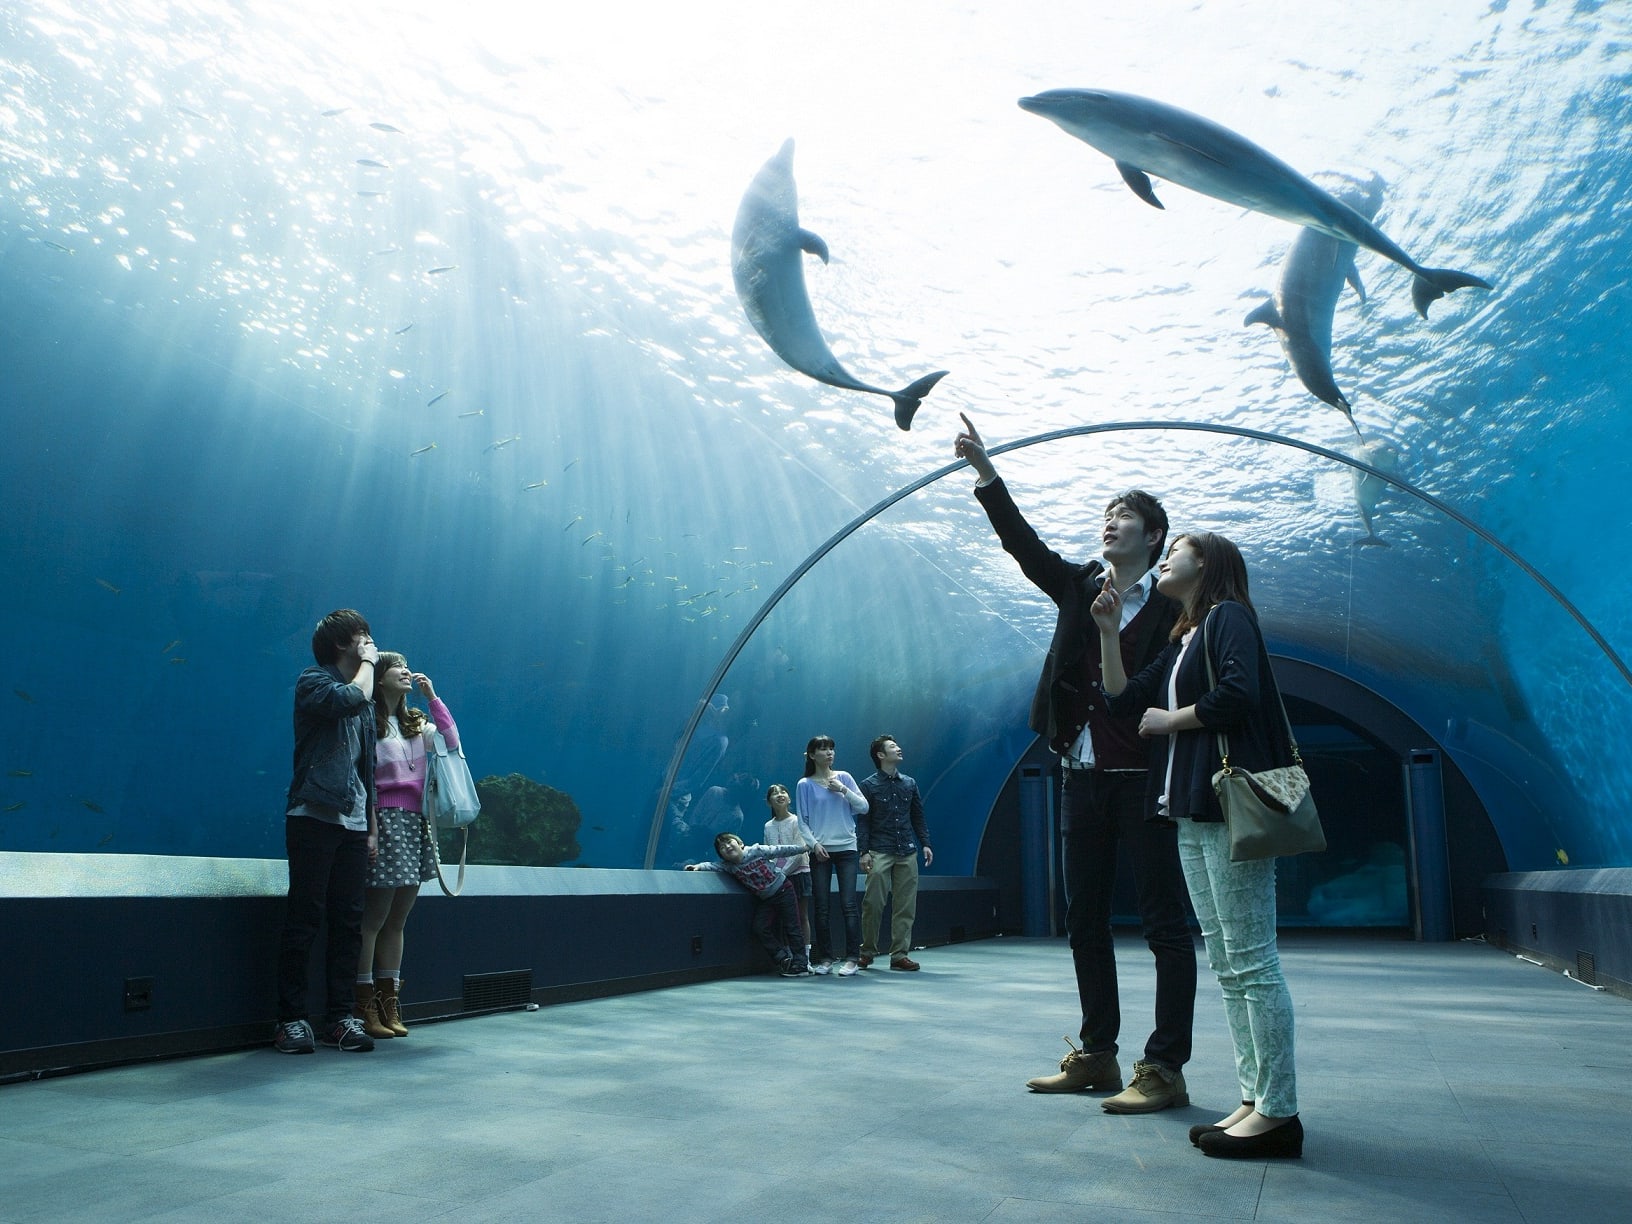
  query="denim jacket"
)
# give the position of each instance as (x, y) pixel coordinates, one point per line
(894, 816)
(324, 701)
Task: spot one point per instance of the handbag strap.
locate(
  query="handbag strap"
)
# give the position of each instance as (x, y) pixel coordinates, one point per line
(439, 748)
(1212, 683)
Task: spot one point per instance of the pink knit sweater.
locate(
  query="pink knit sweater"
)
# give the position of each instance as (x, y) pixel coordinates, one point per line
(399, 764)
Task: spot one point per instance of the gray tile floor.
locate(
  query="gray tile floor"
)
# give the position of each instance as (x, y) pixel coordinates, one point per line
(1447, 1082)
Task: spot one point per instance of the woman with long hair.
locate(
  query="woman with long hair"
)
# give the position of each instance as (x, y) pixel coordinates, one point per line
(829, 801)
(407, 855)
(1182, 707)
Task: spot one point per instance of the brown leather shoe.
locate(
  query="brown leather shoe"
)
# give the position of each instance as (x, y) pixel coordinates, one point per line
(904, 963)
(865, 961)
(1154, 1087)
(1080, 1070)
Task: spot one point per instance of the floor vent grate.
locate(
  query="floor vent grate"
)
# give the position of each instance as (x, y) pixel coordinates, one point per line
(1586, 968)
(492, 991)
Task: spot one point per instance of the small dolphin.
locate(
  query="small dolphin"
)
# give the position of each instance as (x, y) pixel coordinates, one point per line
(766, 244)
(1312, 279)
(1142, 135)
(1368, 489)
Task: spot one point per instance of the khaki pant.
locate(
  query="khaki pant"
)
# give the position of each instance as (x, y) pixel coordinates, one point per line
(895, 876)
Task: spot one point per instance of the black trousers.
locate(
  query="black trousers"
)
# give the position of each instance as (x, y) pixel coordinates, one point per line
(327, 867)
(776, 924)
(1100, 809)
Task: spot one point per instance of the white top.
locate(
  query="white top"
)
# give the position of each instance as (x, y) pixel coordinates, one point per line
(1133, 599)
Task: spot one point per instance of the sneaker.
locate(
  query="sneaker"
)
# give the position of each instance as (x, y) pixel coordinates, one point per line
(1080, 1070)
(849, 967)
(788, 969)
(822, 966)
(1154, 1087)
(293, 1037)
(348, 1035)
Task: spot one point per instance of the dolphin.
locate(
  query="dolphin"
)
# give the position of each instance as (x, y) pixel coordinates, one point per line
(766, 264)
(1312, 279)
(1369, 489)
(1144, 137)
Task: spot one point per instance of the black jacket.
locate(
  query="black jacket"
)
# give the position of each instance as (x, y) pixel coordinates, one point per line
(1068, 689)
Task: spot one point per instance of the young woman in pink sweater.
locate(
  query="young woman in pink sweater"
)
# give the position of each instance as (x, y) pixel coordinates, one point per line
(406, 855)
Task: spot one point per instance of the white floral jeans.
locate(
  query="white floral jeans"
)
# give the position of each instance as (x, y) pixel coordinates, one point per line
(1235, 904)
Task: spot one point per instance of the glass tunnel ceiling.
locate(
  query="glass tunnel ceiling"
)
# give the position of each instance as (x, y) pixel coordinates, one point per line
(431, 313)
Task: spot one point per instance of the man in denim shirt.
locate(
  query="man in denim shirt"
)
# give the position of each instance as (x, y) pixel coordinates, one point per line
(889, 835)
(329, 832)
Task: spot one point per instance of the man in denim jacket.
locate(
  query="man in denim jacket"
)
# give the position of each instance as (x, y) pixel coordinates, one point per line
(889, 835)
(329, 832)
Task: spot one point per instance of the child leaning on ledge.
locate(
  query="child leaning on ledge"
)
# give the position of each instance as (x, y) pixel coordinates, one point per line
(760, 870)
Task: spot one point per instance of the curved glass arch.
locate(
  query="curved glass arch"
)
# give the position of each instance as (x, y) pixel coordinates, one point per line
(703, 707)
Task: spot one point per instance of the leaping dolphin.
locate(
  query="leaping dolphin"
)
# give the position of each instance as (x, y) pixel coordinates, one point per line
(1312, 279)
(766, 264)
(1144, 137)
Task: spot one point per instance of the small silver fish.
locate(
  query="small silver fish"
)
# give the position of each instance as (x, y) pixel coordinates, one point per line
(339, 110)
(403, 330)
(442, 269)
(422, 450)
(372, 164)
(537, 484)
(437, 399)
(475, 413)
(385, 127)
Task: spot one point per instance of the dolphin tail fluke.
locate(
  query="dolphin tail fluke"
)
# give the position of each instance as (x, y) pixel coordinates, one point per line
(1371, 541)
(908, 398)
(1431, 284)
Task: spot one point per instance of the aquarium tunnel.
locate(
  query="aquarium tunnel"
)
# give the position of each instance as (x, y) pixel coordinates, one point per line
(429, 311)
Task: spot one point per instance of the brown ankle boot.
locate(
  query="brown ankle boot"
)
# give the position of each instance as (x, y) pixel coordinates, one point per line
(368, 1009)
(391, 1006)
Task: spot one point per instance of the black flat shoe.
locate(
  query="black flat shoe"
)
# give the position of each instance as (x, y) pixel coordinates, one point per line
(1196, 1132)
(1285, 1140)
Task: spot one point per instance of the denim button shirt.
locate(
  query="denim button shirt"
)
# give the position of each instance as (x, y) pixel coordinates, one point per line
(894, 820)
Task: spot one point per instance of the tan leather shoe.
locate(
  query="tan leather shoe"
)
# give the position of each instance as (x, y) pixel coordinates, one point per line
(1080, 1071)
(1154, 1087)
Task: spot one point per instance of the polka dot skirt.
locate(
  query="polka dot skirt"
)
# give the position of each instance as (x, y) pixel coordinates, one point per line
(405, 856)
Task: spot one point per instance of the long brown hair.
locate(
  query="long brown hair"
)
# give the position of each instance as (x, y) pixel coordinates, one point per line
(410, 722)
(1223, 576)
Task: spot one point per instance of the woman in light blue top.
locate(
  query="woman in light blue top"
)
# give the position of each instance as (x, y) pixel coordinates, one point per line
(829, 800)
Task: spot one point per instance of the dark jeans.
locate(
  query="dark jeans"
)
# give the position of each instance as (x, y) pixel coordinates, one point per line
(776, 925)
(327, 867)
(846, 863)
(1098, 810)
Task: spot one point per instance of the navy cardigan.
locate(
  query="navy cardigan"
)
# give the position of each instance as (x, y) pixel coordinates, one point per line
(1245, 705)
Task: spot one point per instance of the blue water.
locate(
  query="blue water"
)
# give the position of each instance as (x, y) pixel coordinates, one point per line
(224, 333)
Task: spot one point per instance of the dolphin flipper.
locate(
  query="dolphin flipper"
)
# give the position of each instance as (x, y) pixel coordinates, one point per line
(908, 398)
(1266, 314)
(812, 244)
(1140, 182)
(1352, 276)
(1431, 284)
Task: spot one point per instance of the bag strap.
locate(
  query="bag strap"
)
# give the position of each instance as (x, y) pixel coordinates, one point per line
(440, 748)
(1212, 683)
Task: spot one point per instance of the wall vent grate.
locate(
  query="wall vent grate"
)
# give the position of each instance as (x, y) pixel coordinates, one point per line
(1586, 968)
(492, 991)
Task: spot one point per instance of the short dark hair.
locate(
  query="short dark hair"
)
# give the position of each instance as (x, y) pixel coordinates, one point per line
(720, 840)
(1150, 511)
(877, 746)
(335, 632)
